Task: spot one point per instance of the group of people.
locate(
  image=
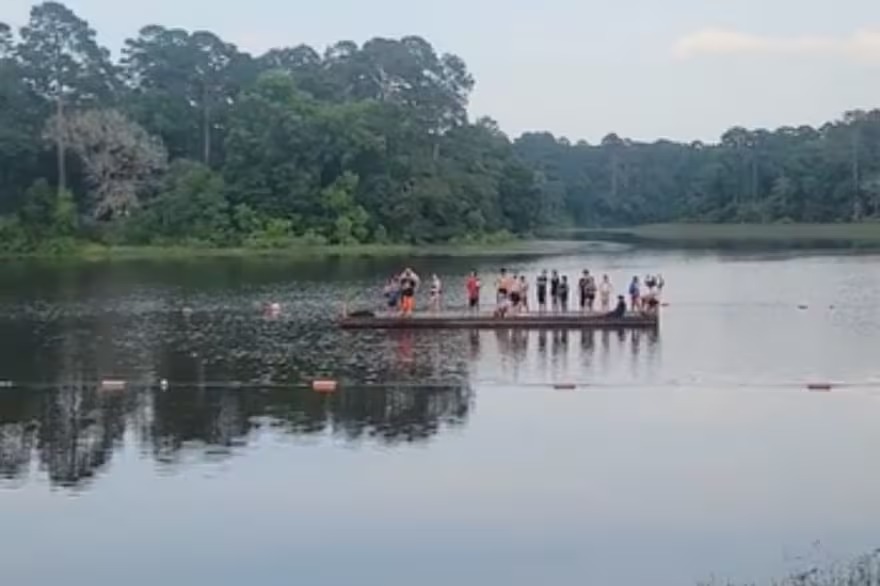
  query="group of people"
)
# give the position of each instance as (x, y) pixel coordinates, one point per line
(554, 291)
(400, 291)
(512, 293)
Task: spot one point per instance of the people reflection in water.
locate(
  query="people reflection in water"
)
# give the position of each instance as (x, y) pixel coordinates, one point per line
(474, 345)
(404, 346)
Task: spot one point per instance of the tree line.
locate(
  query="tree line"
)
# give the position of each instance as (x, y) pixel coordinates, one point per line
(187, 139)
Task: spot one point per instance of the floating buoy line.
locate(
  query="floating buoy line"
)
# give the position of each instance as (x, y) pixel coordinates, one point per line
(329, 385)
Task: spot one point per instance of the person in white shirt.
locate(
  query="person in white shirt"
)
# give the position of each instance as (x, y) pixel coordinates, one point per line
(605, 291)
(436, 292)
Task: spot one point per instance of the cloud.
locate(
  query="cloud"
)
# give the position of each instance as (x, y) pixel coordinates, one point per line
(861, 45)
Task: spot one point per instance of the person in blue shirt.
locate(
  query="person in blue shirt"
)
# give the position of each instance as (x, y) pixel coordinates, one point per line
(635, 294)
(392, 293)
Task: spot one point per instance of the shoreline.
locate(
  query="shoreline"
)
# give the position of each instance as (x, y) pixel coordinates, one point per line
(92, 252)
(695, 235)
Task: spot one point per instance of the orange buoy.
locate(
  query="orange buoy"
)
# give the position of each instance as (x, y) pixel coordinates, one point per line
(324, 386)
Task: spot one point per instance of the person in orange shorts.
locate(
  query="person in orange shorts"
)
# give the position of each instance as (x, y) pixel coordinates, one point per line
(409, 282)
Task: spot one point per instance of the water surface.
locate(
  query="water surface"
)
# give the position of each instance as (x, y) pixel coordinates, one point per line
(446, 457)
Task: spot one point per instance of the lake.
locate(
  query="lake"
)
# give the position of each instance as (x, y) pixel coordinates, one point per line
(444, 457)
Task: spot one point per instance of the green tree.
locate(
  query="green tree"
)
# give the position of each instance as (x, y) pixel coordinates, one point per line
(190, 207)
(46, 214)
(62, 62)
(22, 113)
(182, 85)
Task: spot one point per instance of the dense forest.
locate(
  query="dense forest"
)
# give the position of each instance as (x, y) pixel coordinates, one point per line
(187, 139)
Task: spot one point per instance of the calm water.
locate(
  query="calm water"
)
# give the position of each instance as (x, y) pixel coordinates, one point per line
(446, 457)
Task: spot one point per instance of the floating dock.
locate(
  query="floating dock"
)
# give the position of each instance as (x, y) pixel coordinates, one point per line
(487, 321)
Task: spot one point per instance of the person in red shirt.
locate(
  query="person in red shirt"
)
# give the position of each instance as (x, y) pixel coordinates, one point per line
(473, 291)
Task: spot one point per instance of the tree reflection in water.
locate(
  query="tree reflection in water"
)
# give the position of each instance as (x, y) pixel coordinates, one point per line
(73, 432)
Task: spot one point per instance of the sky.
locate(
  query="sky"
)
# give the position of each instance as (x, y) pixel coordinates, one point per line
(645, 69)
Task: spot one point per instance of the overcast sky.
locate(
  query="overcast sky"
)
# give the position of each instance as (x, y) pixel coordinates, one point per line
(682, 69)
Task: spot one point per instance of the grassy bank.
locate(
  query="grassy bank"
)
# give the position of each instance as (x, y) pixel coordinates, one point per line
(861, 571)
(94, 252)
(861, 235)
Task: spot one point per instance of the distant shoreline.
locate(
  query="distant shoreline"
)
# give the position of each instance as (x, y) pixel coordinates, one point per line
(95, 252)
(858, 236)
(694, 235)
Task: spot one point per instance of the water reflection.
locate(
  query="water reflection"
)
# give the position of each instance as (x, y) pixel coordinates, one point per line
(396, 387)
(235, 370)
(545, 356)
(73, 432)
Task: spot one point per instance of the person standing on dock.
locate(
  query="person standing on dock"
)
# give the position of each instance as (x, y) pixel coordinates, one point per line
(605, 290)
(502, 286)
(651, 283)
(635, 294)
(409, 282)
(436, 293)
(515, 294)
(542, 291)
(472, 285)
(554, 291)
(524, 292)
(392, 292)
(582, 289)
(591, 292)
(563, 294)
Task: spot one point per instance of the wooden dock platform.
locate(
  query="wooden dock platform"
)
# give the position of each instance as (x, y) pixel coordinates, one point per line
(482, 321)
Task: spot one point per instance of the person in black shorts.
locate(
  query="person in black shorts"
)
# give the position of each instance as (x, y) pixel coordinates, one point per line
(514, 293)
(590, 292)
(582, 289)
(563, 294)
(554, 290)
(503, 287)
(472, 285)
(542, 290)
